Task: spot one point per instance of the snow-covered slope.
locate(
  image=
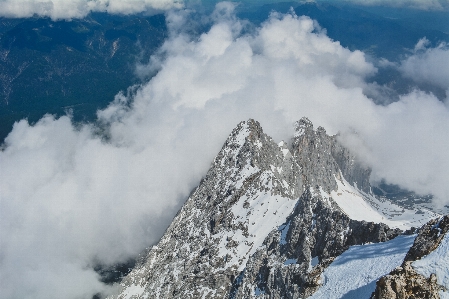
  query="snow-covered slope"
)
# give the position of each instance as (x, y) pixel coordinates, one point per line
(362, 206)
(354, 273)
(267, 220)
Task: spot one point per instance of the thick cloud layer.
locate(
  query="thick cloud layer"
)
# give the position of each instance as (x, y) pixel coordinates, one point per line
(69, 9)
(75, 196)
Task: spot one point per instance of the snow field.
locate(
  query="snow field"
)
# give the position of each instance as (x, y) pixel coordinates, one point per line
(357, 206)
(353, 274)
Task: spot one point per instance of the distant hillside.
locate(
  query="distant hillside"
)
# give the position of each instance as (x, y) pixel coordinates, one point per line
(79, 65)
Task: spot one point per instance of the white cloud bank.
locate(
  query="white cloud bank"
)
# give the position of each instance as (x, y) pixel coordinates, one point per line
(70, 197)
(69, 9)
(428, 65)
(72, 9)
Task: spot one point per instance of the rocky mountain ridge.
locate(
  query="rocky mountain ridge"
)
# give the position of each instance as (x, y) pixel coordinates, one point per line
(265, 221)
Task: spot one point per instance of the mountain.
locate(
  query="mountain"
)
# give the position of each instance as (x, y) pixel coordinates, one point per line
(79, 65)
(273, 221)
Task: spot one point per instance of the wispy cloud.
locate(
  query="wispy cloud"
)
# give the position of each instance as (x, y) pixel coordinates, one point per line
(416, 4)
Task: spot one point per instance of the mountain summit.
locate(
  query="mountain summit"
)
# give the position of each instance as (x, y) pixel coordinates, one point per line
(268, 219)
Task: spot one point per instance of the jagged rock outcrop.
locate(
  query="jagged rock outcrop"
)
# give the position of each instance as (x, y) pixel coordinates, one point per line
(323, 156)
(262, 223)
(293, 258)
(428, 239)
(404, 282)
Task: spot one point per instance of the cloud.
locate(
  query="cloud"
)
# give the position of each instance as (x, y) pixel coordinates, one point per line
(409, 143)
(428, 65)
(72, 196)
(416, 4)
(73, 9)
(69, 9)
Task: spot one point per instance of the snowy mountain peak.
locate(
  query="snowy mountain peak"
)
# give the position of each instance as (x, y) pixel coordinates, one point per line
(248, 148)
(246, 193)
(264, 214)
(303, 126)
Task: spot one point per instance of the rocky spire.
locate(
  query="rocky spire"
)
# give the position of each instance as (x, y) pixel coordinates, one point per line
(322, 158)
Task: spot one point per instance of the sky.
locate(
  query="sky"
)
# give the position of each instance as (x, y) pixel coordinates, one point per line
(73, 196)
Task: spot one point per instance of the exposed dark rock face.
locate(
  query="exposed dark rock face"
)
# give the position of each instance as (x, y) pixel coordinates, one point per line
(428, 239)
(261, 222)
(404, 282)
